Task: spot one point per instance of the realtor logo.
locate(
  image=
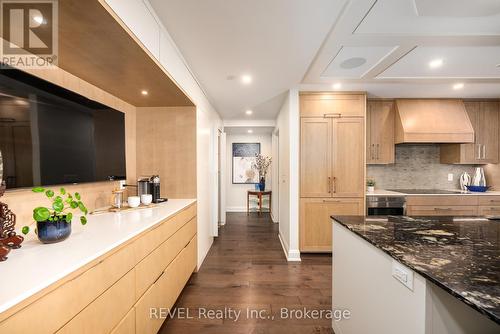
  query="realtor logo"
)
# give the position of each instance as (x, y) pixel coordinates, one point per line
(29, 33)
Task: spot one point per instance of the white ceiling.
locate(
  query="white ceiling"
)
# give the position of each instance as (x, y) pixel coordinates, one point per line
(398, 39)
(311, 43)
(243, 130)
(272, 40)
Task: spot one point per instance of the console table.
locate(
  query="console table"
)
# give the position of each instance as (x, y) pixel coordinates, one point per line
(260, 195)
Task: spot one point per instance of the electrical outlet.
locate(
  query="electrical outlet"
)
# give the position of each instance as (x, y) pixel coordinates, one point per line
(450, 177)
(402, 274)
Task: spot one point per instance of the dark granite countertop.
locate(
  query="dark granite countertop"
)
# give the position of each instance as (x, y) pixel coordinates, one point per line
(462, 256)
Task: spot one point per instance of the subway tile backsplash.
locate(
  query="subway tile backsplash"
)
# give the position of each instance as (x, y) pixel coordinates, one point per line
(417, 167)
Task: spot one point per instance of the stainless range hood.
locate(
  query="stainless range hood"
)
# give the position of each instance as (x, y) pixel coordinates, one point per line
(432, 121)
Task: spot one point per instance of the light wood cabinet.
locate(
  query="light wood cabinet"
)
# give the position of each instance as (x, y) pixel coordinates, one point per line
(106, 295)
(165, 290)
(332, 157)
(321, 104)
(348, 161)
(315, 157)
(332, 164)
(441, 210)
(453, 205)
(485, 119)
(316, 224)
(380, 146)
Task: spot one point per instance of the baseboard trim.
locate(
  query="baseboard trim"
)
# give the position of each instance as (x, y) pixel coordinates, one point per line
(274, 219)
(291, 255)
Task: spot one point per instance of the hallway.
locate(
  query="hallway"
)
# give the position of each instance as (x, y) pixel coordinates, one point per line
(246, 271)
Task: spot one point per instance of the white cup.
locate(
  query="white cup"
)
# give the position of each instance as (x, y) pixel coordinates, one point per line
(146, 199)
(134, 201)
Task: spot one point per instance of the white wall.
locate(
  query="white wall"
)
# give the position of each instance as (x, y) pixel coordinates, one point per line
(287, 124)
(236, 194)
(143, 22)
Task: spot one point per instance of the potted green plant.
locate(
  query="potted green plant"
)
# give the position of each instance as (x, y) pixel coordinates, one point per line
(370, 185)
(53, 224)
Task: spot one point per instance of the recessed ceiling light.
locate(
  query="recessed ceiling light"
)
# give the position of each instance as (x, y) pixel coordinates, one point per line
(246, 79)
(144, 92)
(250, 131)
(458, 85)
(248, 112)
(337, 85)
(436, 63)
(38, 19)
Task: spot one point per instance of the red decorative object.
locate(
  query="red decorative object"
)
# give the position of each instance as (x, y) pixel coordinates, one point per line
(8, 237)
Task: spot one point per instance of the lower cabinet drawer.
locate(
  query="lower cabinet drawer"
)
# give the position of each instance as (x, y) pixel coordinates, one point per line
(148, 270)
(488, 210)
(316, 224)
(489, 200)
(126, 325)
(164, 292)
(106, 311)
(145, 245)
(52, 311)
(429, 210)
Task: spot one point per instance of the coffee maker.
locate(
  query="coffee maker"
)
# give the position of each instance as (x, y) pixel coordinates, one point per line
(150, 185)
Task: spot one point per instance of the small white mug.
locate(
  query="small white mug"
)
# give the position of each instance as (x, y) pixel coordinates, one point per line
(134, 201)
(146, 199)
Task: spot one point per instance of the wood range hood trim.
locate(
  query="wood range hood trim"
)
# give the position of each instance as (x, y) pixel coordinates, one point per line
(432, 121)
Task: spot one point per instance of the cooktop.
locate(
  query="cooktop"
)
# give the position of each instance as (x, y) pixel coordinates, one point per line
(424, 191)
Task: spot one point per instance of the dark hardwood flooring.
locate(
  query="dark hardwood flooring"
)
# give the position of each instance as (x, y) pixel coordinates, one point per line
(246, 269)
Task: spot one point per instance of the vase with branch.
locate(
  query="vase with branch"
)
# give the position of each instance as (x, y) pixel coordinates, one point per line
(262, 164)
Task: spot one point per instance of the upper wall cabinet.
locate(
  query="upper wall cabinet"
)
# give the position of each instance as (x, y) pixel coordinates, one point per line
(485, 119)
(332, 105)
(136, 15)
(380, 132)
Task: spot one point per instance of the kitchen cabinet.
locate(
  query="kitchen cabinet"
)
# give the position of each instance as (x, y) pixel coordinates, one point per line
(320, 104)
(485, 119)
(315, 157)
(332, 164)
(380, 144)
(454, 205)
(332, 160)
(315, 222)
(154, 264)
(348, 157)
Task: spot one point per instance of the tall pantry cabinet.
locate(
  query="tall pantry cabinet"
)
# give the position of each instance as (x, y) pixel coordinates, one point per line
(332, 164)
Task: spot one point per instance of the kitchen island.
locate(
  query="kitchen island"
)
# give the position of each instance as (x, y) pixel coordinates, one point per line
(416, 275)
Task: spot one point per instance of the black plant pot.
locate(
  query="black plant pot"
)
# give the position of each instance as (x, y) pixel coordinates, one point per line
(262, 184)
(51, 232)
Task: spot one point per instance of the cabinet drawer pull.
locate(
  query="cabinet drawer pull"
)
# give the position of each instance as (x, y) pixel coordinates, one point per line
(443, 209)
(329, 185)
(332, 115)
(334, 184)
(484, 151)
(331, 201)
(494, 200)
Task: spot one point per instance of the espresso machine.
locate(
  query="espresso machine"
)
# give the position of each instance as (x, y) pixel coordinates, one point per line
(150, 185)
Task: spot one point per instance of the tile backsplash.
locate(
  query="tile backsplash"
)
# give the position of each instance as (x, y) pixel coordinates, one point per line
(417, 167)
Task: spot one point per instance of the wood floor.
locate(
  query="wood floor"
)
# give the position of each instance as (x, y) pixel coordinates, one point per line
(246, 271)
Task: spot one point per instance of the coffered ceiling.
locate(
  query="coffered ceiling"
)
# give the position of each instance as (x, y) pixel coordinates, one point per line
(386, 48)
(383, 47)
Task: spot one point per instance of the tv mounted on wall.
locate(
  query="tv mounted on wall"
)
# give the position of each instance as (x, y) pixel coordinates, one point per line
(50, 135)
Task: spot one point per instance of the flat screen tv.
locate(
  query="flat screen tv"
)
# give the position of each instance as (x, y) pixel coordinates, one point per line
(50, 135)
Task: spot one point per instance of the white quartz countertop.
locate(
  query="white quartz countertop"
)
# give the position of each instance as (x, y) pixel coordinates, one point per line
(35, 266)
(382, 192)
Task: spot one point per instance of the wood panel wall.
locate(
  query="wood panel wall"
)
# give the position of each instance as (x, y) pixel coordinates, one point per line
(95, 195)
(166, 145)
